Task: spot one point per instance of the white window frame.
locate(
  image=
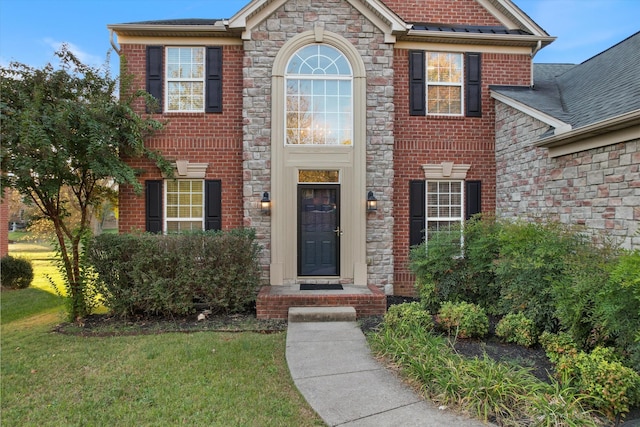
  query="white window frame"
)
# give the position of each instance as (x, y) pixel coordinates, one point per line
(333, 77)
(438, 218)
(459, 84)
(168, 219)
(169, 79)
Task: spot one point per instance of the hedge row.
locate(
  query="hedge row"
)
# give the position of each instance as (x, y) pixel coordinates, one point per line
(552, 273)
(175, 274)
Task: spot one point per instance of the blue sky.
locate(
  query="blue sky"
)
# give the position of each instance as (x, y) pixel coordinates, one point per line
(31, 30)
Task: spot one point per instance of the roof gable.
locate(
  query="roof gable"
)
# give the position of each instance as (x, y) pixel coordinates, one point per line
(375, 10)
(499, 19)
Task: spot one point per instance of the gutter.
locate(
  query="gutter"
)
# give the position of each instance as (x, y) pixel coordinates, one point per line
(453, 36)
(113, 42)
(622, 121)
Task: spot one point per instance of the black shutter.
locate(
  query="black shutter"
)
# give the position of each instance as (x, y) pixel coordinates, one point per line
(474, 199)
(417, 212)
(154, 73)
(473, 85)
(417, 83)
(213, 205)
(153, 206)
(213, 95)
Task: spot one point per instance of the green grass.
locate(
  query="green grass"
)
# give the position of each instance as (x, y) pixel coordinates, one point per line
(42, 257)
(203, 378)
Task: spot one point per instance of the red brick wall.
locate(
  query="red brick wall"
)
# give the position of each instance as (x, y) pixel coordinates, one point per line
(425, 139)
(211, 138)
(454, 12)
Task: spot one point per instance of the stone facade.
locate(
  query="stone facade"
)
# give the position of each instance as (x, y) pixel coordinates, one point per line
(339, 17)
(598, 189)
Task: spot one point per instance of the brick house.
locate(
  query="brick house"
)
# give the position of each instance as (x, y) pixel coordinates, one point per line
(360, 123)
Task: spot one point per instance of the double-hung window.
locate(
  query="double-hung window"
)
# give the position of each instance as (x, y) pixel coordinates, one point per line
(175, 205)
(444, 83)
(445, 206)
(185, 79)
(184, 205)
(185, 71)
(441, 204)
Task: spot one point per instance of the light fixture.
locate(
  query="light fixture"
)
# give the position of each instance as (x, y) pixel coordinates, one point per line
(372, 202)
(265, 203)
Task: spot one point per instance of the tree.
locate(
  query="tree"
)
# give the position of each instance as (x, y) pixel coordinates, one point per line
(63, 131)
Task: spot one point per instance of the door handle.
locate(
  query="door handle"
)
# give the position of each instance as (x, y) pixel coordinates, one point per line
(338, 231)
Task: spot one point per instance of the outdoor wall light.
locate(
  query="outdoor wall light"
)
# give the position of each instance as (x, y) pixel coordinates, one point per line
(265, 203)
(372, 202)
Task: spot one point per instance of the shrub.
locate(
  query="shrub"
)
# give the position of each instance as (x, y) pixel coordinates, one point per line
(465, 320)
(440, 270)
(446, 272)
(17, 273)
(517, 328)
(532, 261)
(558, 345)
(407, 317)
(173, 274)
(617, 307)
(587, 269)
(609, 386)
(504, 394)
(481, 249)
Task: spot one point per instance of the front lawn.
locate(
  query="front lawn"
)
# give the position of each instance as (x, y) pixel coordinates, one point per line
(200, 378)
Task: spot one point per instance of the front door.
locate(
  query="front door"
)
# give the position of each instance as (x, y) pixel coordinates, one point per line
(318, 230)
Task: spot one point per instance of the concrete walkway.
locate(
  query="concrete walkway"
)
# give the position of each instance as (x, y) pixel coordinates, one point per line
(332, 366)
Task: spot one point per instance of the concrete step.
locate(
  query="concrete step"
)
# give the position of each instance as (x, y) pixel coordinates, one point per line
(322, 314)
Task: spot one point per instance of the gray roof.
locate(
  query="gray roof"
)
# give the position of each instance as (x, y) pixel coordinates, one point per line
(468, 29)
(186, 21)
(605, 86)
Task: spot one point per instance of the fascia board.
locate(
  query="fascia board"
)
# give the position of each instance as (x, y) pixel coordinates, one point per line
(625, 127)
(162, 30)
(480, 38)
(512, 16)
(393, 23)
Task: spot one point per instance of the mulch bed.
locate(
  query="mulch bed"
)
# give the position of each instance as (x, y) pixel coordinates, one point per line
(102, 325)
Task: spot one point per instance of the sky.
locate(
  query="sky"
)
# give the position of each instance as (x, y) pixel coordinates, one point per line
(32, 30)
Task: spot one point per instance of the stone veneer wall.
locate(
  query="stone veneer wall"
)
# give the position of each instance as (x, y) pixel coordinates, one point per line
(598, 188)
(341, 18)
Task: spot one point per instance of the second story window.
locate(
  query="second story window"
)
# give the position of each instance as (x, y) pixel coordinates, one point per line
(185, 78)
(444, 83)
(319, 97)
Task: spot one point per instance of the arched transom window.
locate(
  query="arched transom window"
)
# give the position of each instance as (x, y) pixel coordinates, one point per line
(319, 101)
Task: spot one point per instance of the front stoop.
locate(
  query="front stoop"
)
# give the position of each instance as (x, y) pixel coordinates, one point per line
(322, 314)
(273, 302)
